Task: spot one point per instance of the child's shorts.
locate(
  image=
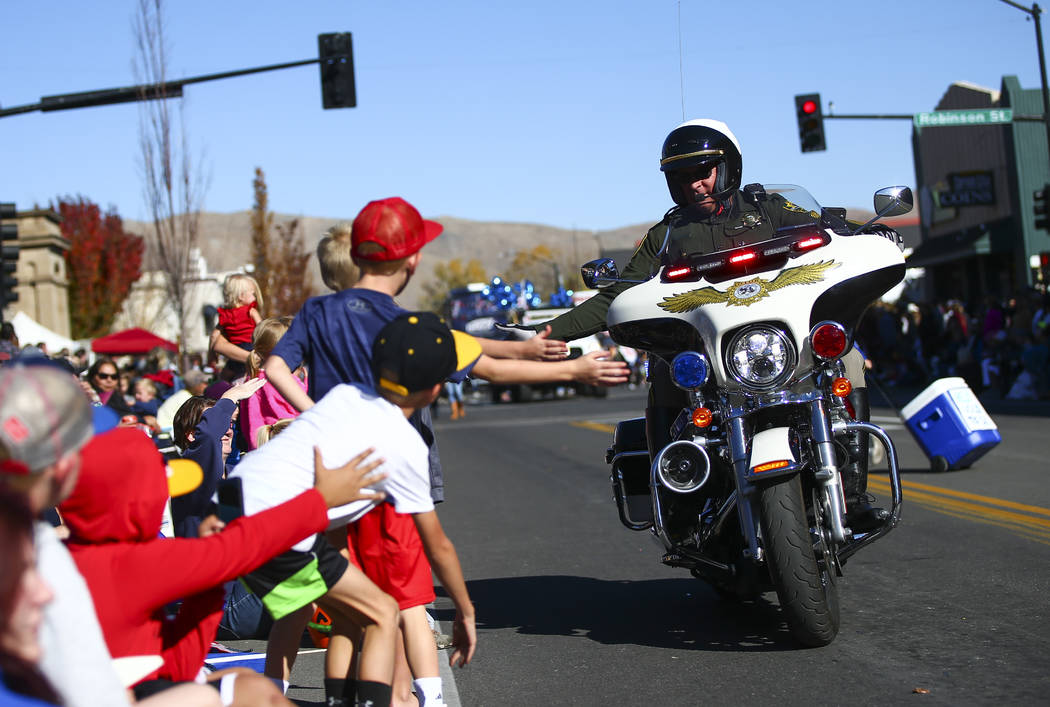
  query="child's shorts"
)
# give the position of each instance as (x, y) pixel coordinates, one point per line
(293, 579)
(387, 548)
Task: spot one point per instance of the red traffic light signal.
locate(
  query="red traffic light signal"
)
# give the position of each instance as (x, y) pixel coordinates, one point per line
(810, 122)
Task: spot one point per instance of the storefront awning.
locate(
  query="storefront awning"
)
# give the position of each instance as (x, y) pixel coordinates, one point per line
(945, 249)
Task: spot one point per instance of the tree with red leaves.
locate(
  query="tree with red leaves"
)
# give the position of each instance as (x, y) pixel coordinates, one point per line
(103, 262)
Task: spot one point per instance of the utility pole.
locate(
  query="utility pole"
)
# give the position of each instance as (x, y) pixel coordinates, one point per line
(1034, 12)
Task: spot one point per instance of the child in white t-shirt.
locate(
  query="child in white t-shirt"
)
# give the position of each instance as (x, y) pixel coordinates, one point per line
(413, 355)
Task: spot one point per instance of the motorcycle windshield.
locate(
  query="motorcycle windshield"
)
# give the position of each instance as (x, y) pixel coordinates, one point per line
(689, 235)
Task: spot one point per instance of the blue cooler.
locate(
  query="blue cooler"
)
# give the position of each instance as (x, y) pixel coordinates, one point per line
(950, 424)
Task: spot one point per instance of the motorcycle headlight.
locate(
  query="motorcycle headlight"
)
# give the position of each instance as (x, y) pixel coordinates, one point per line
(760, 356)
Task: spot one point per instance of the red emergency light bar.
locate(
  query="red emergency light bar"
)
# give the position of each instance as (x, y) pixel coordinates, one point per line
(809, 244)
(757, 257)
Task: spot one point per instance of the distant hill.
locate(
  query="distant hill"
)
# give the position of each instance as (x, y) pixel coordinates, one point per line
(225, 242)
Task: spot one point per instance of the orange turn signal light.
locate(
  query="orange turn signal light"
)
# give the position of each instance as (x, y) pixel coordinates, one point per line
(841, 387)
(702, 417)
(770, 466)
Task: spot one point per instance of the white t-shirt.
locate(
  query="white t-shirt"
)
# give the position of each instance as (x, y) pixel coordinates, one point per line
(75, 657)
(345, 422)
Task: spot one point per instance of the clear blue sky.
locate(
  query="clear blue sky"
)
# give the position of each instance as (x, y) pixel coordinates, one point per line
(546, 111)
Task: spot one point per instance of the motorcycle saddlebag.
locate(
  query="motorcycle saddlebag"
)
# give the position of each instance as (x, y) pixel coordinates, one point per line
(629, 456)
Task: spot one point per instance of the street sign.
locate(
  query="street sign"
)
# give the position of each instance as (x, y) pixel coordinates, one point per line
(977, 116)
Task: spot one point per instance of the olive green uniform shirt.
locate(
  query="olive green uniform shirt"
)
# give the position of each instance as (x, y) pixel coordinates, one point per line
(742, 223)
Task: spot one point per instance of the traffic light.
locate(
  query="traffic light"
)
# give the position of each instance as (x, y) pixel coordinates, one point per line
(1039, 208)
(8, 257)
(810, 122)
(337, 70)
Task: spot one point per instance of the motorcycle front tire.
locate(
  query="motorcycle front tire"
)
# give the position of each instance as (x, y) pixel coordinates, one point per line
(806, 589)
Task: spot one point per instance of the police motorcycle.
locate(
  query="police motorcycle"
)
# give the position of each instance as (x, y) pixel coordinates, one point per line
(747, 493)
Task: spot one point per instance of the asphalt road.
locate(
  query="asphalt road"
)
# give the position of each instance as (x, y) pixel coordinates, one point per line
(573, 608)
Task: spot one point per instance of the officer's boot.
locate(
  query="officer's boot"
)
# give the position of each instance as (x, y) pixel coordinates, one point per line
(861, 516)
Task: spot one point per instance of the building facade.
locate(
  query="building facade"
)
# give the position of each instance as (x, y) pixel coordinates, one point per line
(43, 287)
(976, 180)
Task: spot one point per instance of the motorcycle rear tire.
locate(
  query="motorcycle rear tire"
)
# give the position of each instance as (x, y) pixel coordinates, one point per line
(807, 591)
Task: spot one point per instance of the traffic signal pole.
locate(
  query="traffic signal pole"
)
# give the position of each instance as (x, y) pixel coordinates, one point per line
(173, 89)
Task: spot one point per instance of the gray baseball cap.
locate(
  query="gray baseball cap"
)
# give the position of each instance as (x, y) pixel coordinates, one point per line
(44, 415)
(194, 377)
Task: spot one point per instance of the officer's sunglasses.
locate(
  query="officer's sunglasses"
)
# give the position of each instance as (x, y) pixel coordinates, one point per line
(696, 174)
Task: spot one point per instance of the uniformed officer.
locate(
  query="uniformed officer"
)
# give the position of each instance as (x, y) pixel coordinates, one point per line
(702, 162)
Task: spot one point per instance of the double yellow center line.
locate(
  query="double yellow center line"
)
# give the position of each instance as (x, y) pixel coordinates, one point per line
(1030, 522)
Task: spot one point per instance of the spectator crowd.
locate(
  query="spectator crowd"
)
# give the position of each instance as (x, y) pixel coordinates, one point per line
(1000, 347)
(148, 509)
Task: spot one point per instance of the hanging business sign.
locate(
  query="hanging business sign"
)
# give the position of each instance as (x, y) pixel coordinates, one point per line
(977, 116)
(968, 189)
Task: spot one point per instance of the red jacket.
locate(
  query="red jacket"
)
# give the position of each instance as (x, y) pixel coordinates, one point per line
(114, 516)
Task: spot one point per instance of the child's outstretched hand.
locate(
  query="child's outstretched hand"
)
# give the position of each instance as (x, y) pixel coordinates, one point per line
(596, 369)
(464, 640)
(244, 390)
(346, 484)
(542, 348)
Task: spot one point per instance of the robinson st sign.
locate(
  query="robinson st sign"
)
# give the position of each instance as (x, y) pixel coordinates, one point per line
(979, 116)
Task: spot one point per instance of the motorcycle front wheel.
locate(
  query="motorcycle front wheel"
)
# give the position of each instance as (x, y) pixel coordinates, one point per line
(805, 587)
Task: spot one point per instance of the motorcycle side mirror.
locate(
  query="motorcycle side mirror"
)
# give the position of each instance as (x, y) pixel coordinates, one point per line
(599, 273)
(890, 201)
(893, 201)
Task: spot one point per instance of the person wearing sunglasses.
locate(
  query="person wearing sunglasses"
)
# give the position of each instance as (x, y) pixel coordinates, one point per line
(103, 386)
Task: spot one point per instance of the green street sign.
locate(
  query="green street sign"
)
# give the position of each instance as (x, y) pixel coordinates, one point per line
(977, 116)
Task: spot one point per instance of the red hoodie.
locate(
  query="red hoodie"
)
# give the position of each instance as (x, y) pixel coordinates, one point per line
(114, 516)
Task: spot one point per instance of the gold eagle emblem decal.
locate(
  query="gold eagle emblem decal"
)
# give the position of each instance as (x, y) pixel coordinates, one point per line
(746, 292)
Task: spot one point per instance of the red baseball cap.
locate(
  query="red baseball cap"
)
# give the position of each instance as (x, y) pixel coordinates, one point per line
(394, 225)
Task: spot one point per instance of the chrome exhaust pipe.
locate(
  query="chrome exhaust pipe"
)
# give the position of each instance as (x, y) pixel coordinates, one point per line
(682, 466)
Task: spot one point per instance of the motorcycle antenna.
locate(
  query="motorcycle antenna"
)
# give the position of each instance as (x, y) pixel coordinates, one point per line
(681, 73)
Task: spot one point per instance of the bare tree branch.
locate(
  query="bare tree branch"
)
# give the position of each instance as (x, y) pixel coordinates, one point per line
(172, 189)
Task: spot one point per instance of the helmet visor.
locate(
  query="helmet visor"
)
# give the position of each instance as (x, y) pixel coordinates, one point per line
(691, 159)
(693, 173)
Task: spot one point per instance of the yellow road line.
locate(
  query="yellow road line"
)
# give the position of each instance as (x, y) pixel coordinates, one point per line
(941, 501)
(1037, 510)
(596, 426)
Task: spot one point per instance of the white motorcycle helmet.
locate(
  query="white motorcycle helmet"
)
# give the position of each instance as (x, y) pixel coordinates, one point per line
(702, 142)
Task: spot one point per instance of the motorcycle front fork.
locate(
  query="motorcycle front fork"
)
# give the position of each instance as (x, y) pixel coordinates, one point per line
(825, 473)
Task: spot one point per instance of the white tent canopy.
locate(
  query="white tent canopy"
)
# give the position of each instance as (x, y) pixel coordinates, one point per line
(31, 333)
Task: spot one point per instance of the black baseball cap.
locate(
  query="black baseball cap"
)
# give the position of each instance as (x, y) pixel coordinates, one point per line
(417, 350)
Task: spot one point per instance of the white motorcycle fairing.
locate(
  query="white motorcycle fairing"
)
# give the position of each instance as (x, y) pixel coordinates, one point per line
(834, 282)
